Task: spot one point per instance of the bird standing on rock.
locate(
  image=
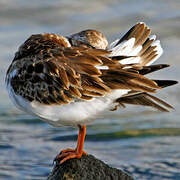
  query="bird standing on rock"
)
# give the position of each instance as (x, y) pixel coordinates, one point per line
(72, 80)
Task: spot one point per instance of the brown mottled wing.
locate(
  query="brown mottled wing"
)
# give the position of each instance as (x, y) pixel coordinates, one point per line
(52, 73)
(126, 79)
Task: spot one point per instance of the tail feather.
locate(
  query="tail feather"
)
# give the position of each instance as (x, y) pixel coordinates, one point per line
(165, 83)
(149, 69)
(144, 99)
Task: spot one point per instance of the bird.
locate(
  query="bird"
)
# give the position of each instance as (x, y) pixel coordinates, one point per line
(72, 80)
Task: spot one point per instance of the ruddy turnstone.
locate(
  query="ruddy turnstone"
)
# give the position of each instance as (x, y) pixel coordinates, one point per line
(71, 80)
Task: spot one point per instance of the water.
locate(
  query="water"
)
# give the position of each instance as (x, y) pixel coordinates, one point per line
(140, 141)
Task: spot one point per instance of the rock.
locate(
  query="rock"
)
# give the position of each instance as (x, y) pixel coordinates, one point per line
(86, 168)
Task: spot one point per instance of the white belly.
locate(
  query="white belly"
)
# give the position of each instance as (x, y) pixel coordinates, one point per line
(71, 114)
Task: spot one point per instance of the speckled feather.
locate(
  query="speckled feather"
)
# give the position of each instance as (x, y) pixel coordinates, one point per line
(51, 72)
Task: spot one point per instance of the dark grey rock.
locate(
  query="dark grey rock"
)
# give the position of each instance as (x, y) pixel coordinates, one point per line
(86, 168)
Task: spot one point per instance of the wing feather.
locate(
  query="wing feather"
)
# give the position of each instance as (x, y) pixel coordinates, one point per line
(59, 74)
(144, 99)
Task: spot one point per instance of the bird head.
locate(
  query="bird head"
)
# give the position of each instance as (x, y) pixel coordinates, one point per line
(89, 38)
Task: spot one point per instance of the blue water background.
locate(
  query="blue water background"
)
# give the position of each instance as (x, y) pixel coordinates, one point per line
(143, 142)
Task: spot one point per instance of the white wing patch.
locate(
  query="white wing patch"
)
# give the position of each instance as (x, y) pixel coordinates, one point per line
(158, 49)
(128, 48)
(123, 48)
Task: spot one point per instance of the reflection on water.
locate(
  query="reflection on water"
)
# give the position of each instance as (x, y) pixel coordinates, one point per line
(144, 143)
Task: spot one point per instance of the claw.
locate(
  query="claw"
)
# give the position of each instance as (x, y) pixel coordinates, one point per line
(68, 154)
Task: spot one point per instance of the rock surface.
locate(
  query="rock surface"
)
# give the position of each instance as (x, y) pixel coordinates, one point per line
(86, 168)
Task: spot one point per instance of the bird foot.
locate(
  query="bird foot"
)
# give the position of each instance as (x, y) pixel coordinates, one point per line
(67, 154)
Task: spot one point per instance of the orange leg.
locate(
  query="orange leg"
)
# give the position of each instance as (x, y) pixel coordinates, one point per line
(74, 153)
